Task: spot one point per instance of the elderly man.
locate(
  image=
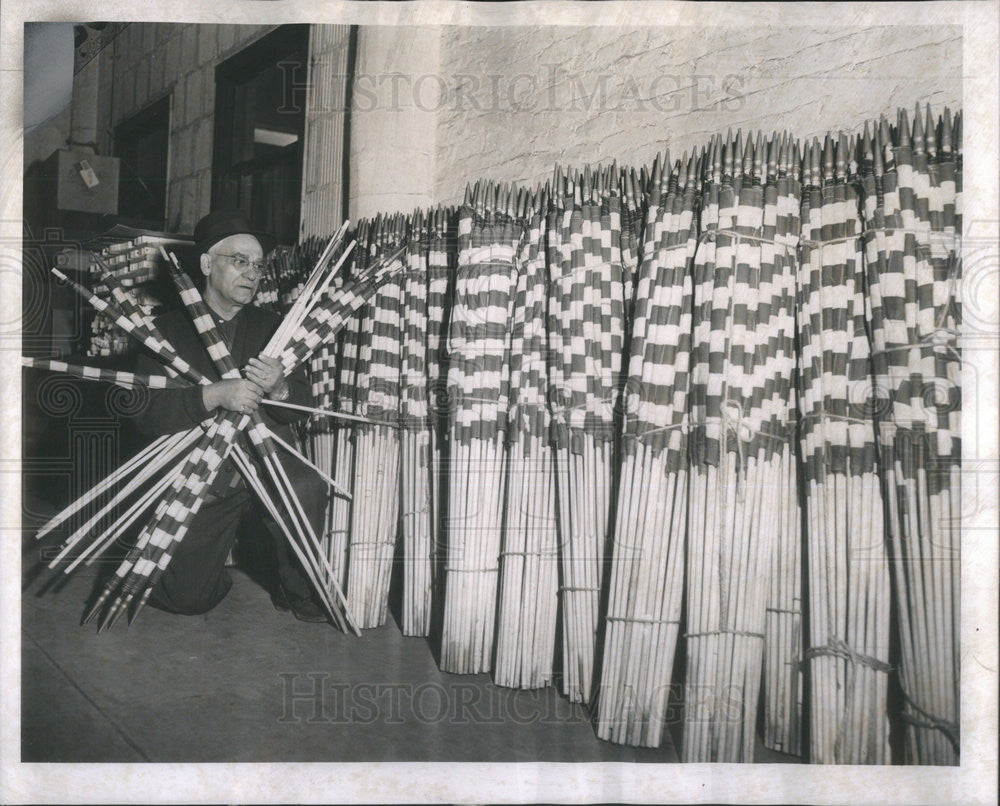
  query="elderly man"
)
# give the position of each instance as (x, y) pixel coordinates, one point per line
(231, 261)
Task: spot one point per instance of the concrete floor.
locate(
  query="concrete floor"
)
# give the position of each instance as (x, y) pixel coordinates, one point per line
(248, 683)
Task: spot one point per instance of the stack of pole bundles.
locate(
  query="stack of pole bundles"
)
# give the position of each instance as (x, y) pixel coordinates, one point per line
(741, 303)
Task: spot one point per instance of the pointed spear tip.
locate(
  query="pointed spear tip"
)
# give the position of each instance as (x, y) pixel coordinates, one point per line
(109, 616)
(946, 132)
(89, 617)
(902, 119)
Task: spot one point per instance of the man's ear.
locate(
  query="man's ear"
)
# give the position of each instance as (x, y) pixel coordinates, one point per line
(206, 263)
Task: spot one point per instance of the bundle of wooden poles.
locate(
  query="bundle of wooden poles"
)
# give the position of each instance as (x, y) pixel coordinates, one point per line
(586, 338)
(647, 556)
(912, 226)
(700, 421)
(478, 390)
(848, 575)
(528, 605)
(375, 480)
(783, 691)
(742, 396)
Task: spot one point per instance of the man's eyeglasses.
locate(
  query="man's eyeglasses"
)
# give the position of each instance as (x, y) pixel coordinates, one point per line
(242, 262)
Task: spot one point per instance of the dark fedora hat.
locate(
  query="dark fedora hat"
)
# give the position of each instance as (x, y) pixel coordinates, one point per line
(221, 224)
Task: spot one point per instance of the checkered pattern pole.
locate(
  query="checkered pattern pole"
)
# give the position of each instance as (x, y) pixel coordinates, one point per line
(912, 224)
(156, 345)
(129, 380)
(647, 560)
(845, 555)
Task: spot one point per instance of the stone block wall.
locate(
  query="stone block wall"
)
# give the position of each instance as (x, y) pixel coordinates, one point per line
(151, 60)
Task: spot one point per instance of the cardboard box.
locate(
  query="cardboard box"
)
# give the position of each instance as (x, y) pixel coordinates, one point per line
(84, 182)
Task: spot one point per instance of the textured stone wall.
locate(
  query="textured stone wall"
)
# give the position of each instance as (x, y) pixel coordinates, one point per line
(150, 60)
(521, 99)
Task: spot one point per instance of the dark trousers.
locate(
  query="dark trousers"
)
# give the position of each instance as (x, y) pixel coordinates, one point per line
(196, 579)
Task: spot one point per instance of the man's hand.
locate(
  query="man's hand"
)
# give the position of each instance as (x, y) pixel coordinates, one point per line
(268, 374)
(237, 394)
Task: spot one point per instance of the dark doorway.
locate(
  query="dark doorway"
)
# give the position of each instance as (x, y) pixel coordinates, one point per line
(259, 127)
(141, 143)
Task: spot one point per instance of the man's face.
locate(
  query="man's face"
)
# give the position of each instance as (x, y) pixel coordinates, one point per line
(226, 280)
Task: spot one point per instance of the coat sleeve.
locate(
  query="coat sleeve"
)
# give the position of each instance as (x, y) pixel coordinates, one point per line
(168, 411)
